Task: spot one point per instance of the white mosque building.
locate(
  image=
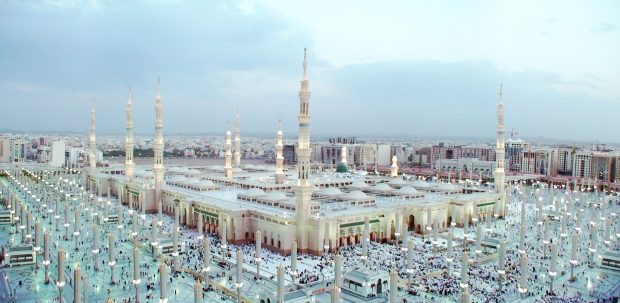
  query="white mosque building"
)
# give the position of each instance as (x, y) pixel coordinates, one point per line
(319, 210)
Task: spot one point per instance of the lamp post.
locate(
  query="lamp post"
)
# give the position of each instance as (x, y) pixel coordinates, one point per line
(464, 278)
(500, 264)
(46, 255)
(154, 237)
(37, 242)
(112, 261)
(409, 266)
(553, 271)
(257, 259)
(60, 280)
(522, 286)
(76, 228)
(163, 296)
(280, 284)
(95, 246)
(136, 272)
(239, 283)
(206, 267)
(294, 261)
(77, 277)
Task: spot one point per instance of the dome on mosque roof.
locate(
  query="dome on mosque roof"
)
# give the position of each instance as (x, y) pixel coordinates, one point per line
(330, 191)
(192, 181)
(193, 172)
(381, 187)
(342, 168)
(177, 178)
(397, 181)
(205, 183)
(276, 196)
(407, 190)
(420, 183)
(446, 186)
(358, 184)
(356, 195)
(255, 192)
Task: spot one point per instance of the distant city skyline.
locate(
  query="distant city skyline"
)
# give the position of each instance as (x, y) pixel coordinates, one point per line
(410, 68)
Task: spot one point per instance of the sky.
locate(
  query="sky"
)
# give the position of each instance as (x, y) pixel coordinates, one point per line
(397, 68)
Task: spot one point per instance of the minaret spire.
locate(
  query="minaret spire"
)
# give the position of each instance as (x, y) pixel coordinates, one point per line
(499, 173)
(303, 190)
(92, 140)
(129, 165)
(228, 155)
(237, 140)
(279, 157)
(158, 148)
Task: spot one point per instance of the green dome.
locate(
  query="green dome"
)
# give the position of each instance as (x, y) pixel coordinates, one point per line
(342, 168)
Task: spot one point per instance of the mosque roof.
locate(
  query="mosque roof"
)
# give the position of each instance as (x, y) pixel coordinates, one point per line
(407, 190)
(330, 191)
(254, 192)
(275, 196)
(356, 195)
(382, 187)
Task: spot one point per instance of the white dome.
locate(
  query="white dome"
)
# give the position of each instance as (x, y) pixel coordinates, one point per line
(356, 195)
(381, 187)
(192, 181)
(255, 192)
(407, 190)
(177, 178)
(397, 181)
(205, 183)
(420, 183)
(358, 184)
(276, 196)
(446, 186)
(330, 191)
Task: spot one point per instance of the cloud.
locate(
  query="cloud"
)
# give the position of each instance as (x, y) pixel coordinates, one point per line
(604, 27)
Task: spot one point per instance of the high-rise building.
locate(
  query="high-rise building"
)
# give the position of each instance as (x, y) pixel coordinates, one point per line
(581, 164)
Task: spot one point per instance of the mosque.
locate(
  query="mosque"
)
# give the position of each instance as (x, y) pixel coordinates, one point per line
(302, 204)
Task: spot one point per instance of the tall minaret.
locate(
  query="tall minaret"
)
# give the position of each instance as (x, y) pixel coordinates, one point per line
(499, 172)
(129, 165)
(237, 140)
(92, 141)
(303, 189)
(158, 148)
(279, 157)
(228, 155)
(394, 167)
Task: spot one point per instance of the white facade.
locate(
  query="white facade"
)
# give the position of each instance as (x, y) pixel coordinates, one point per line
(5, 149)
(57, 155)
(384, 154)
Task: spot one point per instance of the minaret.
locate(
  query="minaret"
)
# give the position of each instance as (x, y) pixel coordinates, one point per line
(237, 140)
(499, 172)
(92, 141)
(343, 155)
(158, 148)
(228, 155)
(129, 165)
(279, 157)
(394, 168)
(303, 189)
